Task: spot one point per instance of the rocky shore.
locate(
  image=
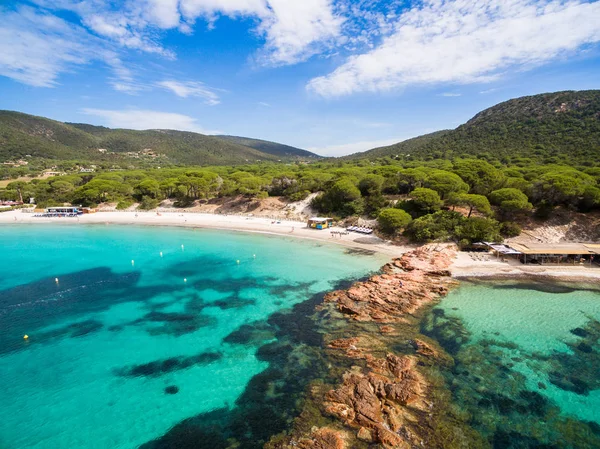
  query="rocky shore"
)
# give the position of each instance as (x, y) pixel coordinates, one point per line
(382, 396)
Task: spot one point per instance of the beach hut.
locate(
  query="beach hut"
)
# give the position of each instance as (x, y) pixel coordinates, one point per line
(320, 222)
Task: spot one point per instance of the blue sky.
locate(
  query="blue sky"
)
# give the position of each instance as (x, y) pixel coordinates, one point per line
(332, 76)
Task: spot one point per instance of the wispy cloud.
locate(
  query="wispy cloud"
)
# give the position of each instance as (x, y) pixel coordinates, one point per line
(262, 103)
(142, 119)
(36, 47)
(191, 89)
(450, 94)
(488, 91)
(465, 41)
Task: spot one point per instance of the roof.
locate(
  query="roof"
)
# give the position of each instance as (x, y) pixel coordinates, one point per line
(319, 219)
(559, 249)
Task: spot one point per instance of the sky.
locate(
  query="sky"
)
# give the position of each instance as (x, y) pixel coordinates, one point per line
(331, 76)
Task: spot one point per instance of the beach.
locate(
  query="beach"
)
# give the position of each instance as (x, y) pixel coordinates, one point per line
(245, 223)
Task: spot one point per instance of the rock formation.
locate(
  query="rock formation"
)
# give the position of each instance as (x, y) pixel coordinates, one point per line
(383, 397)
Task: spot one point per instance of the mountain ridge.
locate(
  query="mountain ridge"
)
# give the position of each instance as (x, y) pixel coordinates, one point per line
(558, 125)
(23, 135)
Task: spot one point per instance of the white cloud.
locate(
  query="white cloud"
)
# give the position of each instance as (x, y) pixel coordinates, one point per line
(450, 94)
(141, 119)
(262, 103)
(354, 147)
(465, 41)
(191, 89)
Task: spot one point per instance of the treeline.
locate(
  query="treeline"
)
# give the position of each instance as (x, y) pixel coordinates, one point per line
(421, 199)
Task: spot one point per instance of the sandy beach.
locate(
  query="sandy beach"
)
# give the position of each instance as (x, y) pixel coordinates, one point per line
(255, 224)
(464, 266)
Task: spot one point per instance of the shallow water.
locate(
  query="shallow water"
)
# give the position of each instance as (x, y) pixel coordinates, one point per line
(526, 362)
(148, 327)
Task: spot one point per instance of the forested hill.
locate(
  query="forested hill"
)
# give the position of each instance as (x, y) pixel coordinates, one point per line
(274, 148)
(551, 128)
(23, 134)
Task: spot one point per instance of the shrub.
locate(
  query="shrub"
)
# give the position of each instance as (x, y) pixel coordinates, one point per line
(299, 196)
(148, 203)
(510, 229)
(124, 204)
(392, 220)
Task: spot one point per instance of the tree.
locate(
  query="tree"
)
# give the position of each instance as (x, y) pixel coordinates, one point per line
(477, 229)
(510, 201)
(343, 197)
(446, 183)
(423, 201)
(473, 202)
(481, 176)
(148, 187)
(439, 226)
(391, 220)
(371, 185)
(562, 186)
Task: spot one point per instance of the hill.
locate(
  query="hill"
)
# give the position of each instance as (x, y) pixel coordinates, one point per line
(274, 148)
(553, 127)
(23, 135)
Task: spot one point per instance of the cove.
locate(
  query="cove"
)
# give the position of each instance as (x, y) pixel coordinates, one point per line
(149, 327)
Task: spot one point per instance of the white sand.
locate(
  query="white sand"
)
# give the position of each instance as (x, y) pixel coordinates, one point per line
(228, 222)
(465, 266)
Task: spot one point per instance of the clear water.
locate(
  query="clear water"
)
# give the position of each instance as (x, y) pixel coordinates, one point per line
(124, 322)
(526, 361)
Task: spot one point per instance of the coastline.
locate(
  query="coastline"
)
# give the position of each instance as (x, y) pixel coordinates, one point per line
(238, 223)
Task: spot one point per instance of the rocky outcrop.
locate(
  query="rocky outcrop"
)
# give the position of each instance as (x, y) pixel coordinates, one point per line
(376, 403)
(382, 397)
(407, 283)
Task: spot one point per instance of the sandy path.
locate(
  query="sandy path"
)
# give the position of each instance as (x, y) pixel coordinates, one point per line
(227, 222)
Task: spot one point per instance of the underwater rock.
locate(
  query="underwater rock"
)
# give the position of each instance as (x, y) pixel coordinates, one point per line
(172, 389)
(323, 439)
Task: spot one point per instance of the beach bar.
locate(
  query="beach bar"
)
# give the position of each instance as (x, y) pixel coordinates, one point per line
(553, 253)
(320, 222)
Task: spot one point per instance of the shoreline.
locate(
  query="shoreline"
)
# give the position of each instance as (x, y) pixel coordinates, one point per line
(462, 267)
(237, 223)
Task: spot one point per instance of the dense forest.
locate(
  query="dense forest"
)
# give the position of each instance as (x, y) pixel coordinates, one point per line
(520, 159)
(464, 200)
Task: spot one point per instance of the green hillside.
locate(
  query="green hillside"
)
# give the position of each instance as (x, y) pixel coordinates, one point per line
(550, 128)
(276, 149)
(23, 135)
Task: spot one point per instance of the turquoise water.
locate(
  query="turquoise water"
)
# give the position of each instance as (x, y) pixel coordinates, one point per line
(131, 342)
(526, 361)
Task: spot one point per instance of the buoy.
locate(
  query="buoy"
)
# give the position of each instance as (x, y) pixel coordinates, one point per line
(184, 279)
(238, 262)
(25, 337)
(133, 262)
(181, 247)
(161, 254)
(254, 255)
(56, 280)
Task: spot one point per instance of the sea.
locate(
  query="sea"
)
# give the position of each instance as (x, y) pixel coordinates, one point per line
(159, 337)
